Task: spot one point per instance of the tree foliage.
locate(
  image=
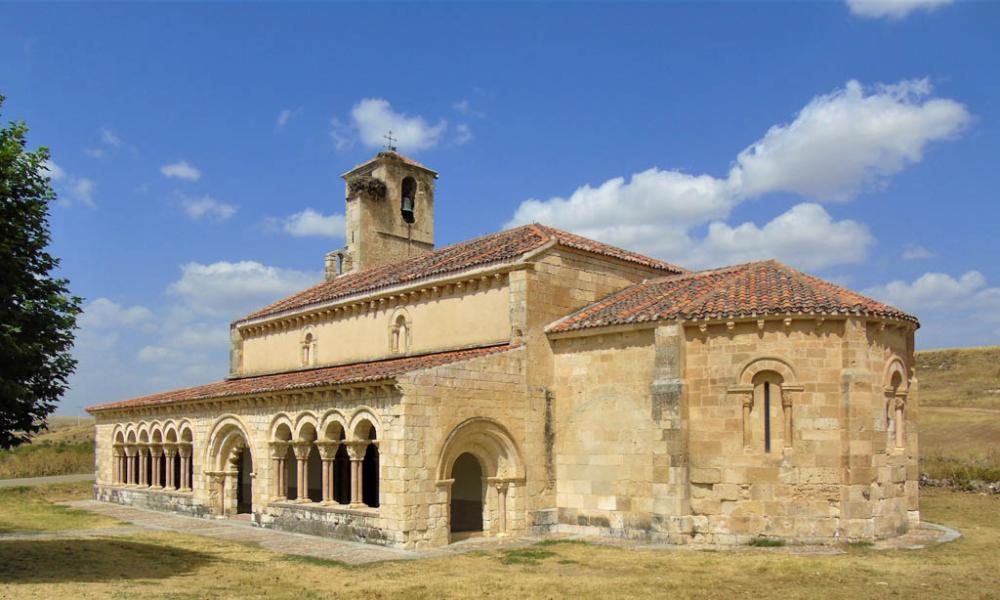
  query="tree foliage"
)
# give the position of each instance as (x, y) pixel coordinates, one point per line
(37, 312)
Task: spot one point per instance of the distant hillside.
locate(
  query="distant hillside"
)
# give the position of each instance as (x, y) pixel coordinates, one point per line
(67, 447)
(961, 377)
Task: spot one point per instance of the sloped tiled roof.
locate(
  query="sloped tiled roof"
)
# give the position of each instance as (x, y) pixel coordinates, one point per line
(504, 246)
(759, 288)
(297, 380)
(392, 154)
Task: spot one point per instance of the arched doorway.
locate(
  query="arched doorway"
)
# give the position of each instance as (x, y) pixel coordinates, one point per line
(467, 494)
(244, 483)
(230, 468)
(480, 451)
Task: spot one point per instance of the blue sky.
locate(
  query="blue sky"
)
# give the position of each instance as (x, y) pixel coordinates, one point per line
(197, 148)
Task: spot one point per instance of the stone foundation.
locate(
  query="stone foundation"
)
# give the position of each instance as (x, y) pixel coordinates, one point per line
(355, 525)
(161, 500)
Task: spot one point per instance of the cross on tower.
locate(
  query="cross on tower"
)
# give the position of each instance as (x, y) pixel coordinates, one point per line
(389, 141)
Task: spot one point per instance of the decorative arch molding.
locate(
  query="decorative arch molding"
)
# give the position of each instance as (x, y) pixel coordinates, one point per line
(489, 442)
(185, 433)
(751, 368)
(229, 435)
(362, 414)
(130, 430)
(279, 420)
(893, 366)
(332, 417)
(143, 429)
(301, 422)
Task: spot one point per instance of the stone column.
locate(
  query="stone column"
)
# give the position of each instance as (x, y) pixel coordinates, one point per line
(786, 409)
(130, 452)
(899, 405)
(356, 450)
(171, 451)
(279, 487)
(157, 454)
(116, 464)
(301, 450)
(327, 450)
(747, 425)
(143, 464)
(185, 451)
(501, 486)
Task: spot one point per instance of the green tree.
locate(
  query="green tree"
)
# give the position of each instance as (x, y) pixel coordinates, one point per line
(37, 312)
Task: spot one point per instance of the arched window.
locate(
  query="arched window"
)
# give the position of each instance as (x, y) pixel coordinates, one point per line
(308, 356)
(408, 199)
(767, 404)
(400, 337)
(369, 467)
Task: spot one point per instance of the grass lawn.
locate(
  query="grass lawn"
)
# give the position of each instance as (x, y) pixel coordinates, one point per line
(32, 509)
(181, 566)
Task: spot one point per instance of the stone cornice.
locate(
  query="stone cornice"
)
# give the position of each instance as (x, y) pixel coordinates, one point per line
(361, 393)
(383, 298)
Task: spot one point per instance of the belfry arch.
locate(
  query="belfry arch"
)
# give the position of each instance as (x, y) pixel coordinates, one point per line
(230, 460)
(480, 447)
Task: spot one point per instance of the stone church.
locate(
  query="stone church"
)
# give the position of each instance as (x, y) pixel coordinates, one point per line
(534, 381)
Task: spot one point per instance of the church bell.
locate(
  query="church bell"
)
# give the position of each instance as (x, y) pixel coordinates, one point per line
(407, 209)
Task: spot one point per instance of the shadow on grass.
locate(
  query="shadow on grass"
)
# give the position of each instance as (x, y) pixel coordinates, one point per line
(93, 560)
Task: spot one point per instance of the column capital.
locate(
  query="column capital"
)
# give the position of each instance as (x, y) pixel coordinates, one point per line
(131, 450)
(356, 448)
(156, 450)
(279, 449)
(899, 402)
(170, 450)
(184, 450)
(301, 449)
(327, 450)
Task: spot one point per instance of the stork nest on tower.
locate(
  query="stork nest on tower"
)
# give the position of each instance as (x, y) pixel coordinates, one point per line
(369, 185)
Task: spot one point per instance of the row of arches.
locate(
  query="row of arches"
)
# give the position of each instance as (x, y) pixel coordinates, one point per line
(154, 455)
(328, 459)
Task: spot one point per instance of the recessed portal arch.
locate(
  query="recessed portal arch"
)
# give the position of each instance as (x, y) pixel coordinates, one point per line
(231, 460)
(480, 466)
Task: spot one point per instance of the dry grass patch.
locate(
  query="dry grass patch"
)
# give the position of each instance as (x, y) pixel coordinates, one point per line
(965, 377)
(183, 566)
(32, 509)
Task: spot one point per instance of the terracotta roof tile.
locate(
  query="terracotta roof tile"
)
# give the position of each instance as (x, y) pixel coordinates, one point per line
(496, 248)
(760, 288)
(296, 380)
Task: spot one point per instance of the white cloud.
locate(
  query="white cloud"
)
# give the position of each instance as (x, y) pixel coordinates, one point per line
(208, 207)
(286, 115)
(181, 170)
(892, 9)
(110, 138)
(234, 288)
(930, 290)
(843, 141)
(56, 173)
(159, 354)
(70, 188)
(463, 134)
(374, 117)
(130, 350)
(341, 134)
(954, 312)
(836, 146)
(310, 223)
(103, 313)
(805, 235)
(95, 152)
(82, 190)
(464, 107)
(916, 252)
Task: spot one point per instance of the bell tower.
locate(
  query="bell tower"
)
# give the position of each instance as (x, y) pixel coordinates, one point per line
(390, 212)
